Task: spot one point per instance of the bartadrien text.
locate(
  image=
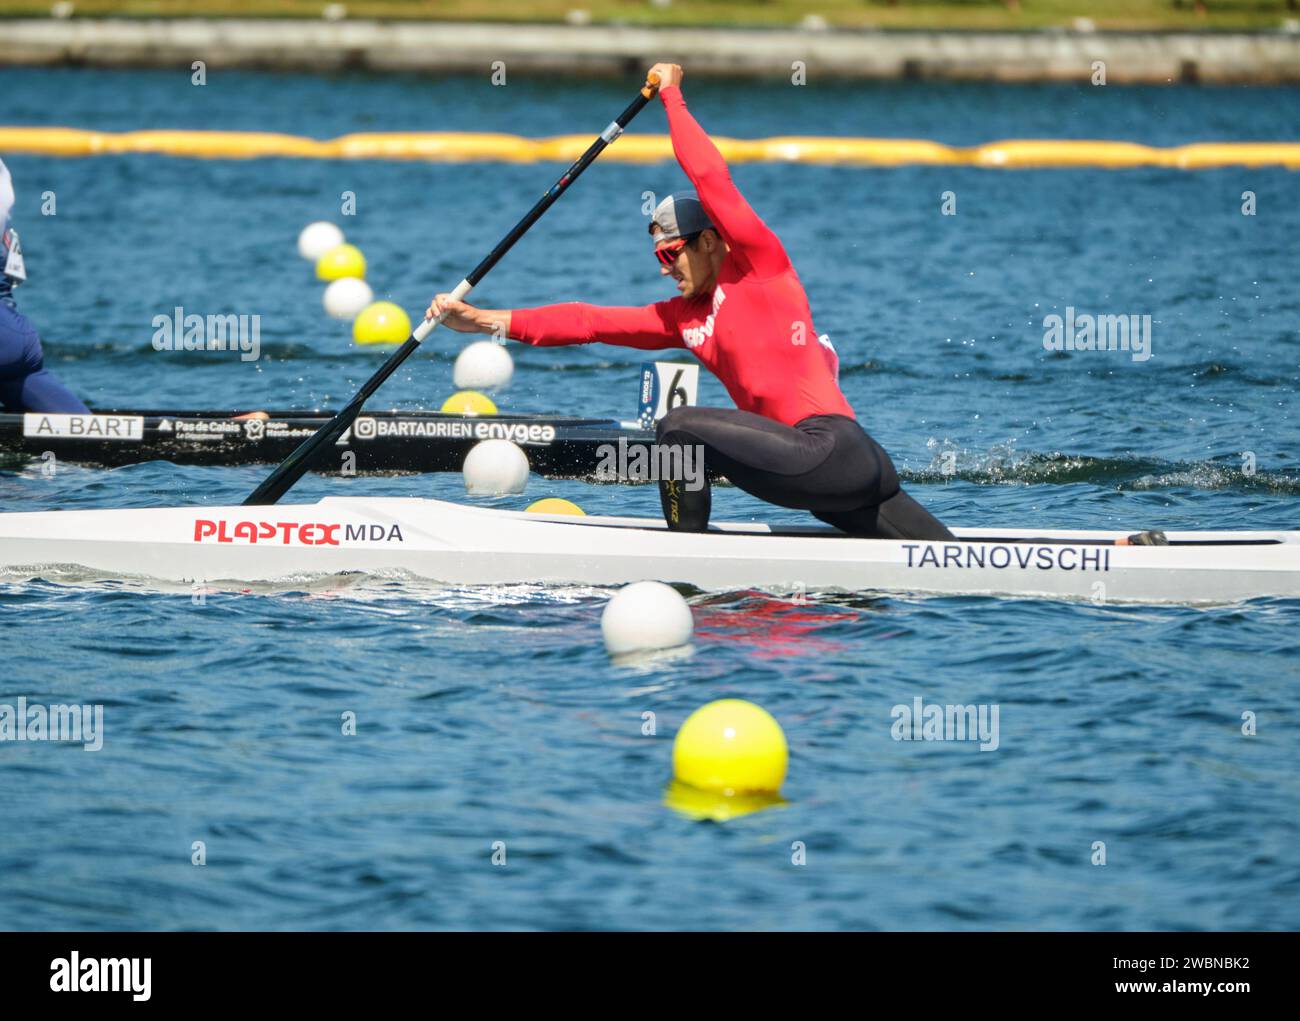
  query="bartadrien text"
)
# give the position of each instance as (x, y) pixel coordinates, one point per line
(1000, 556)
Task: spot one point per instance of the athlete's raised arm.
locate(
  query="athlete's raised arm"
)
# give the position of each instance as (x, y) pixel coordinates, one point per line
(746, 234)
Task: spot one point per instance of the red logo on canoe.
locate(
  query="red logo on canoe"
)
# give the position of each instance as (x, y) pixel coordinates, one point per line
(292, 533)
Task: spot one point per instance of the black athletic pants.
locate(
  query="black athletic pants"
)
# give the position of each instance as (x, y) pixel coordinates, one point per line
(826, 464)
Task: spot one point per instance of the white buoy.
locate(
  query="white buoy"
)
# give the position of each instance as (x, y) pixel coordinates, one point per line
(646, 615)
(495, 468)
(318, 238)
(346, 297)
(484, 365)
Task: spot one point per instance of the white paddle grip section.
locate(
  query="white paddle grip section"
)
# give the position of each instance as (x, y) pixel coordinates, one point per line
(425, 328)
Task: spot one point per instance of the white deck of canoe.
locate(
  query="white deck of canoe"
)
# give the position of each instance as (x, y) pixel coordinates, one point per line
(462, 544)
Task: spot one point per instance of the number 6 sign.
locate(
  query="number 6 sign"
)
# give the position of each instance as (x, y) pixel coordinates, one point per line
(664, 386)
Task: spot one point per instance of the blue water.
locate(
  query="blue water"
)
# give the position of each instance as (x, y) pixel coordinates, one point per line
(496, 716)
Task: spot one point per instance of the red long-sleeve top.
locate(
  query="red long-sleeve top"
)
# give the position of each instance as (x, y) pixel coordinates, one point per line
(753, 330)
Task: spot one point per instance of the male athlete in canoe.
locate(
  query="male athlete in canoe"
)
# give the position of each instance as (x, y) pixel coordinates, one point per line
(792, 439)
(25, 383)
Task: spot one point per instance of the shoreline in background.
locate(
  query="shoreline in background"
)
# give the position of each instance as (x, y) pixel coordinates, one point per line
(1158, 57)
(930, 15)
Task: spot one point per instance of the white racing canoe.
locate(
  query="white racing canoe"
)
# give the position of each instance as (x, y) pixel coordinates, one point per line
(459, 544)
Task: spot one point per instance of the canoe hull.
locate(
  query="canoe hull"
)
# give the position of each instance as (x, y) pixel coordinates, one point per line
(460, 544)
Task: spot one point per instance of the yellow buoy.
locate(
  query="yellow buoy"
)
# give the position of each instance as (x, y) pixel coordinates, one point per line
(695, 804)
(731, 747)
(555, 505)
(381, 323)
(341, 261)
(468, 402)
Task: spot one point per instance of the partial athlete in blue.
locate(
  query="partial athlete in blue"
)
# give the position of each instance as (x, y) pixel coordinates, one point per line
(25, 383)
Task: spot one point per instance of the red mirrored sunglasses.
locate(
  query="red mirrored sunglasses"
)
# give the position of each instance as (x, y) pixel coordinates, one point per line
(668, 254)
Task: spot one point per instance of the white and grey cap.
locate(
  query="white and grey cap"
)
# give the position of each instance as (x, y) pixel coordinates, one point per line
(679, 215)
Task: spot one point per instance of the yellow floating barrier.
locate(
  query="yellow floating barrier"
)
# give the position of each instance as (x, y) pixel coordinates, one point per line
(442, 146)
(734, 150)
(870, 152)
(1204, 155)
(215, 144)
(49, 141)
(629, 148)
(1019, 154)
(490, 147)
